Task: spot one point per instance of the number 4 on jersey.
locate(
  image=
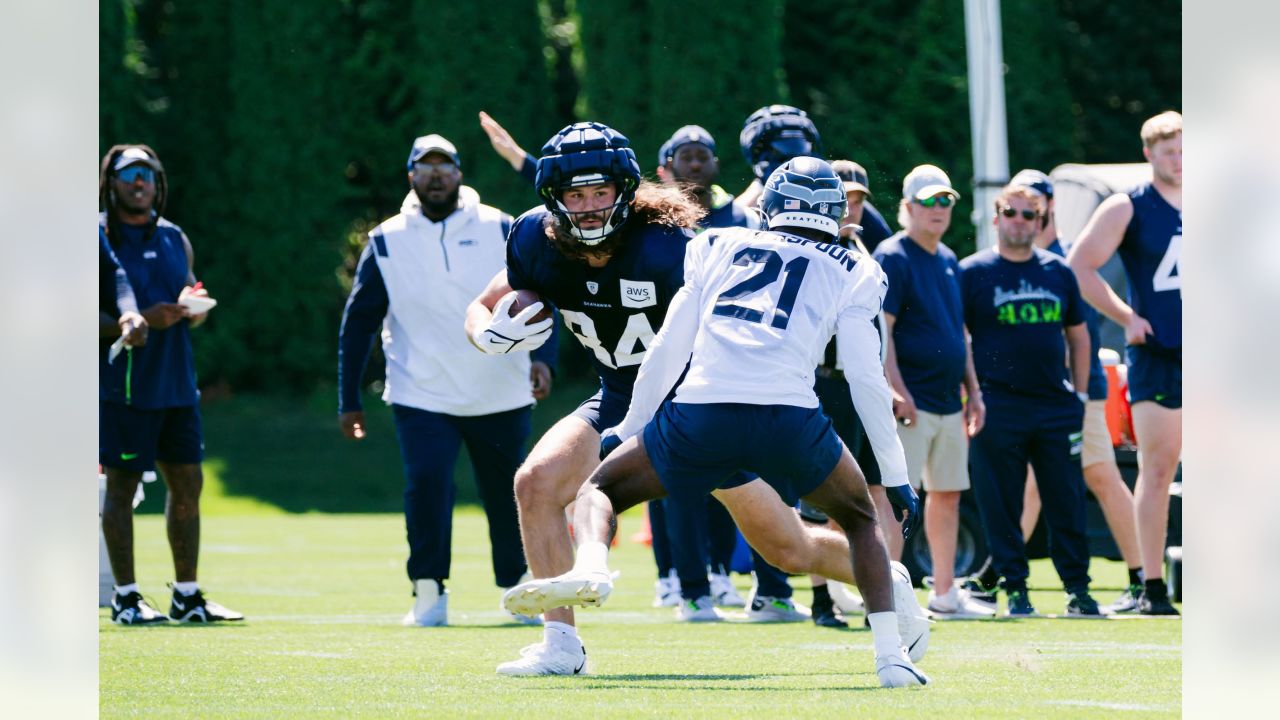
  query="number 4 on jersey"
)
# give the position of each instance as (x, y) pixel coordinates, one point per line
(1168, 273)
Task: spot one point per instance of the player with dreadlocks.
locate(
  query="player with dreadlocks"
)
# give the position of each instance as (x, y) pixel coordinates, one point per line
(148, 405)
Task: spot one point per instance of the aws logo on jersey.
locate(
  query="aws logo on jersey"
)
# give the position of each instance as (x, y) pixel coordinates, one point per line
(639, 293)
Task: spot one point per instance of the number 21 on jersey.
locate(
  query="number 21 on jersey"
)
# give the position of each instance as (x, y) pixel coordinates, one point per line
(771, 267)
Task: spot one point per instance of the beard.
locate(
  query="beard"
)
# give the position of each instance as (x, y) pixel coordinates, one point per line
(574, 249)
(438, 209)
(1018, 241)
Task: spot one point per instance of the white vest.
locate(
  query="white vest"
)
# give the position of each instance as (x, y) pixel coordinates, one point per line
(432, 271)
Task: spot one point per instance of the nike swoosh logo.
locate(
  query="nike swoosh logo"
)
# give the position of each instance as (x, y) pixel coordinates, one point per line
(582, 664)
(179, 605)
(128, 456)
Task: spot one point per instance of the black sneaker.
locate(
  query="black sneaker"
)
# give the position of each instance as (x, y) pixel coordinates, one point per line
(980, 593)
(133, 609)
(1081, 604)
(824, 613)
(195, 608)
(1019, 604)
(1128, 600)
(1156, 603)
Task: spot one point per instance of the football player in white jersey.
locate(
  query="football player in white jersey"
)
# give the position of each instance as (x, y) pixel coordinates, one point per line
(752, 320)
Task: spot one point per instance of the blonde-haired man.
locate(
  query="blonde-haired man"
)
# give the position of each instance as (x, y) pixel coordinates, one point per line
(1145, 227)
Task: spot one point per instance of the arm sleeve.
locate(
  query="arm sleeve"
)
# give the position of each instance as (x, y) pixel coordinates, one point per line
(110, 274)
(361, 318)
(858, 344)
(529, 170)
(663, 363)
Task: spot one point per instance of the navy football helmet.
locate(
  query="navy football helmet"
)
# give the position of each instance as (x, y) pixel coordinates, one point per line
(804, 192)
(774, 134)
(588, 153)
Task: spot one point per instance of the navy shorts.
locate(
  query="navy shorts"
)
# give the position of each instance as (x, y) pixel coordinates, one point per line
(837, 403)
(604, 409)
(697, 448)
(132, 439)
(1155, 374)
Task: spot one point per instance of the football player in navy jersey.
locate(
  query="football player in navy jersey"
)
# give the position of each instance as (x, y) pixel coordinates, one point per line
(1145, 227)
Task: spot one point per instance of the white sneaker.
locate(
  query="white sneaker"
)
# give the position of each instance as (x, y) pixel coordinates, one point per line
(845, 599)
(774, 609)
(723, 592)
(430, 609)
(956, 603)
(544, 659)
(913, 624)
(701, 610)
(666, 591)
(897, 671)
(572, 588)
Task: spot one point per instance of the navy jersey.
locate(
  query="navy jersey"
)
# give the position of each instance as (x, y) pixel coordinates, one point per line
(615, 310)
(928, 328)
(874, 229)
(725, 212)
(1150, 252)
(160, 374)
(1097, 376)
(1015, 312)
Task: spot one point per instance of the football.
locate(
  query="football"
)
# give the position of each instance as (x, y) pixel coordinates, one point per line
(525, 298)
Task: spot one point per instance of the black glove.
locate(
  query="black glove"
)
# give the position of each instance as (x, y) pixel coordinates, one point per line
(904, 499)
(608, 443)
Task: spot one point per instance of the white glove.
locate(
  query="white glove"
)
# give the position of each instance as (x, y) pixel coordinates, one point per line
(505, 333)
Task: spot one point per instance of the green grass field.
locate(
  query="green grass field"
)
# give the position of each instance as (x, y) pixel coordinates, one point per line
(324, 595)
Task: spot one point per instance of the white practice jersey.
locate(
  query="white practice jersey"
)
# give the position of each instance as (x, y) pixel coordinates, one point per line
(756, 312)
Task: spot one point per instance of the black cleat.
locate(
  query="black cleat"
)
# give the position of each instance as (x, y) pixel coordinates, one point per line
(824, 613)
(1081, 604)
(194, 608)
(1156, 603)
(133, 609)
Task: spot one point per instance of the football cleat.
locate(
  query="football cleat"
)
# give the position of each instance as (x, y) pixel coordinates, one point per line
(824, 613)
(544, 659)
(572, 588)
(775, 609)
(1082, 604)
(701, 610)
(1019, 604)
(1156, 603)
(897, 670)
(666, 591)
(195, 608)
(133, 609)
(723, 592)
(913, 624)
(845, 600)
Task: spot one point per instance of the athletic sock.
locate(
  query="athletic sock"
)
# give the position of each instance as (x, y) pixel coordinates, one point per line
(558, 634)
(821, 594)
(1154, 588)
(884, 632)
(126, 589)
(592, 557)
(186, 588)
(1135, 576)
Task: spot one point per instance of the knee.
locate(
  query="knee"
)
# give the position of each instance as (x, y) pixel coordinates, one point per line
(948, 500)
(537, 486)
(790, 559)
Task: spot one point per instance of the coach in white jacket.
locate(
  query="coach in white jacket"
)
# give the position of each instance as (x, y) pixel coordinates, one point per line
(416, 276)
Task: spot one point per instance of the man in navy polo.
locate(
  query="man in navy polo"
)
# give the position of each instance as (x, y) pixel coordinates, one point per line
(1019, 303)
(927, 360)
(148, 405)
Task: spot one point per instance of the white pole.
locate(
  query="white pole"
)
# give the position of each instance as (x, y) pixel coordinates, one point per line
(986, 112)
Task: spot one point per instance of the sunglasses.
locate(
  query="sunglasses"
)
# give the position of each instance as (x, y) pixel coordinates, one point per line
(437, 168)
(939, 200)
(135, 172)
(1026, 214)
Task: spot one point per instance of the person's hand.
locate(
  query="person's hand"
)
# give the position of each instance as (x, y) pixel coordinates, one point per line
(540, 379)
(352, 424)
(133, 328)
(1136, 330)
(196, 290)
(975, 414)
(904, 408)
(164, 315)
(502, 141)
(505, 333)
(905, 502)
(609, 441)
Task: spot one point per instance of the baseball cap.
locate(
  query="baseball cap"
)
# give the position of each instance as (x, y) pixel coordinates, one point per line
(664, 153)
(925, 181)
(852, 174)
(429, 144)
(684, 136)
(133, 156)
(1035, 180)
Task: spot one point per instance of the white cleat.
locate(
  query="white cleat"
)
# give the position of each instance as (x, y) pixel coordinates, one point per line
(572, 588)
(913, 624)
(701, 610)
(897, 671)
(431, 609)
(723, 593)
(845, 599)
(543, 659)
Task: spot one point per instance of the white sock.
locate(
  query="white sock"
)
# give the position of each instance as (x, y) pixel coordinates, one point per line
(884, 630)
(186, 588)
(592, 557)
(126, 589)
(560, 634)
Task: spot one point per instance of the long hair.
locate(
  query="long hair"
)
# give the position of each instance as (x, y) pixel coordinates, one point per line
(107, 196)
(654, 205)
